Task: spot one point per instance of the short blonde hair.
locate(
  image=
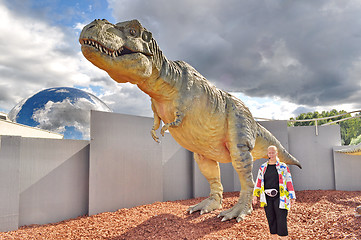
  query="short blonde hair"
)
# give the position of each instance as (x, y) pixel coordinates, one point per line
(274, 147)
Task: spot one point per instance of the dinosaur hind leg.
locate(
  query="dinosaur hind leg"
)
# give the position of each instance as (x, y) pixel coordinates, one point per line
(210, 170)
(242, 162)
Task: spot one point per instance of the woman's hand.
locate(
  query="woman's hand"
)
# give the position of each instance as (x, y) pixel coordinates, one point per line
(254, 200)
(292, 201)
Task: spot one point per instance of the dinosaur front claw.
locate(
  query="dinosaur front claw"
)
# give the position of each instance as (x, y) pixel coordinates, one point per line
(206, 206)
(164, 128)
(154, 135)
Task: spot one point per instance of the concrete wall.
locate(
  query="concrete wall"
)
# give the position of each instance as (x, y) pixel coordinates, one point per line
(177, 165)
(53, 180)
(315, 152)
(347, 170)
(128, 168)
(125, 163)
(42, 180)
(9, 182)
(15, 129)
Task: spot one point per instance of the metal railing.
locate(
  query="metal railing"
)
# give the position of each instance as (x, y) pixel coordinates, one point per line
(324, 118)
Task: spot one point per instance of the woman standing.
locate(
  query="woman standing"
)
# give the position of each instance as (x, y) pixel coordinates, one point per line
(275, 189)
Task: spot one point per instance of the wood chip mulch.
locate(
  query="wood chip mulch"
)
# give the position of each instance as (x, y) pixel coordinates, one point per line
(317, 214)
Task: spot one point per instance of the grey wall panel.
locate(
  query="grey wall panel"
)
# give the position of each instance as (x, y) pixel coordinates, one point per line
(9, 182)
(347, 171)
(125, 163)
(227, 177)
(177, 170)
(315, 152)
(200, 184)
(54, 180)
(279, 129)
(256, 166)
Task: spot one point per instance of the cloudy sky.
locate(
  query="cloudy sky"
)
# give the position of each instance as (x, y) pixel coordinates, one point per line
(281, 58)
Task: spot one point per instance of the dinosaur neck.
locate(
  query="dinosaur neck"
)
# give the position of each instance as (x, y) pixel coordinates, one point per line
(166, 78)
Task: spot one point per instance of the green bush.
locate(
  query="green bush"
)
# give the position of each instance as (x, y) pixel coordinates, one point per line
(350, 129)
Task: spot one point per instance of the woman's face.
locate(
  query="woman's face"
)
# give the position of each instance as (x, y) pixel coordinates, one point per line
(272, 153)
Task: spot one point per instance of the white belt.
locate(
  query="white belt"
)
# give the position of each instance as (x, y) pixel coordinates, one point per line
(271, 192)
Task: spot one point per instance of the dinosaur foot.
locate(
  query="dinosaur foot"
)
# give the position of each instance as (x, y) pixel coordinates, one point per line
(206, 206)
(238, 211)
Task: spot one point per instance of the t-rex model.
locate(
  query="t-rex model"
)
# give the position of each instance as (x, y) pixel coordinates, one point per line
(351, 150)
(211, 123)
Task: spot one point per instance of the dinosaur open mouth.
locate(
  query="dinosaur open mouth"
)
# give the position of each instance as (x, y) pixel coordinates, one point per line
(112, 53)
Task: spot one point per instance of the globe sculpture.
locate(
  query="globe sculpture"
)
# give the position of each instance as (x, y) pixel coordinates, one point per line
(62, 110)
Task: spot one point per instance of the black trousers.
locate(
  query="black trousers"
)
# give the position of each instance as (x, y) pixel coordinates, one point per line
(276, 217)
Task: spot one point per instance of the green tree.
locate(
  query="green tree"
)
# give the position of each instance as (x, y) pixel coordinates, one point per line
(350, 129)
(355, 141)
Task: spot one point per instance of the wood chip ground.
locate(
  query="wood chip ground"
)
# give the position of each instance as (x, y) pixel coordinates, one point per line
(316, 215)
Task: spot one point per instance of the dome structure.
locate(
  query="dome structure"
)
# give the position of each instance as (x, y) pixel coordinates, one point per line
(62, 110)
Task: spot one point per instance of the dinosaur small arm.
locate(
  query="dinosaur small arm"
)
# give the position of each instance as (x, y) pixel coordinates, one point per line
(214, 125)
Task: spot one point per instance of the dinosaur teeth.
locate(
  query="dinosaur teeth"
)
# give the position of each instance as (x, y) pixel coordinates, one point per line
(120, 51)
(103, 49)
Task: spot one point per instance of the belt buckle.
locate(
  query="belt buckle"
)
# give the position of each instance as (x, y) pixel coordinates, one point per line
(271, 192)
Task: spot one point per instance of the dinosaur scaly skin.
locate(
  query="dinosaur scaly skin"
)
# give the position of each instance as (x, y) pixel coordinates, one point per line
(211, 123)
(351, 150)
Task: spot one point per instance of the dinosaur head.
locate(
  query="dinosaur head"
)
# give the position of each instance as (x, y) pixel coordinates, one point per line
(121, 49)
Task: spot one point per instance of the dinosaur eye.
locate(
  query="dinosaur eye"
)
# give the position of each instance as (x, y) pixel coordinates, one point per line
(132, 32)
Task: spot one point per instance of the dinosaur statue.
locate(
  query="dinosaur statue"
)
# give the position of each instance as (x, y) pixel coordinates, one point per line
(211, 123)
(351, 150)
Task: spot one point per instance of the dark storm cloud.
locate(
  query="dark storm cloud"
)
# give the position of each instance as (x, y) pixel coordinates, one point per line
(307, 52)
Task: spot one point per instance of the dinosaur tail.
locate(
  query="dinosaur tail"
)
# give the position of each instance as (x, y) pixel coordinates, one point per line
(266, 139)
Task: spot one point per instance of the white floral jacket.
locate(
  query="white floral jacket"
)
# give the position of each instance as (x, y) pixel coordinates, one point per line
(286, 189)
